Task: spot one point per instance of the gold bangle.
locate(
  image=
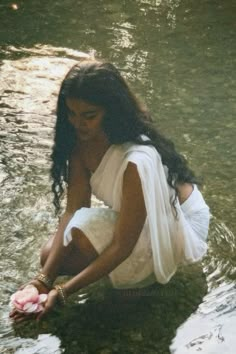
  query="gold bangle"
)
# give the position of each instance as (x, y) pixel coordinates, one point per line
(45, 280)
(61, 294)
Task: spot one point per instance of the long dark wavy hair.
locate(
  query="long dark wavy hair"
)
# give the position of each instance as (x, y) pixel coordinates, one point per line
(125, 119)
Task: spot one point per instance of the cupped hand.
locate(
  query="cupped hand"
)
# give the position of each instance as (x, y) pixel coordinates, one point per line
(17, 316)
(49, 304)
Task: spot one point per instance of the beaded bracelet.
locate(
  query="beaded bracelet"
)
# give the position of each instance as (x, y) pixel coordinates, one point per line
(45, 280)
(61, 294)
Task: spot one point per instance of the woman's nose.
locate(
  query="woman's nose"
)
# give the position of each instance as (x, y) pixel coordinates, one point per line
(75, 121)
(78, 122)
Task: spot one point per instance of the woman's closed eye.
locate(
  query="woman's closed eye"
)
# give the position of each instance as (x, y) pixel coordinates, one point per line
(90, 115)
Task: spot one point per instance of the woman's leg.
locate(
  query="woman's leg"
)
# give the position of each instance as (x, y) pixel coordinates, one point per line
(77, 255)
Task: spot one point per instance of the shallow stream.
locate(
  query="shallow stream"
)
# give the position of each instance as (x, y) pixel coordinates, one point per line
(180, 57)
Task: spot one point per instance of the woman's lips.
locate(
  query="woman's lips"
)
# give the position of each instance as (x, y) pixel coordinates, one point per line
(82, 131)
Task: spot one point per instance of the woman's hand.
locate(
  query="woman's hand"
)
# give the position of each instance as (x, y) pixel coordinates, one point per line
(49, 304)
(17, 316)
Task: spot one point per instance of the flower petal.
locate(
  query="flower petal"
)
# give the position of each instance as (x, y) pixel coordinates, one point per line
(39, 308)
(12, 298)
(31, 287)
(28, 294)
(29, 307)
(16, 295)
(42, 298)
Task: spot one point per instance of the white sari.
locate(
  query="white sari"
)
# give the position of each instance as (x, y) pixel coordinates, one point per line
(166, 240)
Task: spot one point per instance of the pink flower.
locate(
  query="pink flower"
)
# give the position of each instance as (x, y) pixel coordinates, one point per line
(28, 300)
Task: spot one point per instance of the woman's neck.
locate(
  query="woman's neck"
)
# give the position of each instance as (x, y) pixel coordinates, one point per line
(93, 151)
(100, 142)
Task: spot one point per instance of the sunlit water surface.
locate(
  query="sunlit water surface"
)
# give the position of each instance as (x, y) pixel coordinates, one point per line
(180, 58)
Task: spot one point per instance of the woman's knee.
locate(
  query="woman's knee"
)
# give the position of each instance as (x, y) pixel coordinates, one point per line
(83, 245)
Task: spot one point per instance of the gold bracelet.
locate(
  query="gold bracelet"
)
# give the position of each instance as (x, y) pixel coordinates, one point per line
(45, 280)
(61, 294)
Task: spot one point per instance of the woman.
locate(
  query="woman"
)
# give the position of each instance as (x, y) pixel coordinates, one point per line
(105, 144)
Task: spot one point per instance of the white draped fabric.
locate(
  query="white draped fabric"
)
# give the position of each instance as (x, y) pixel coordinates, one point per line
(174, 240)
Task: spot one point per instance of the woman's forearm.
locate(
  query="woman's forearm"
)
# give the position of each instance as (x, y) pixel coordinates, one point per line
(52, 265)
(103, 265)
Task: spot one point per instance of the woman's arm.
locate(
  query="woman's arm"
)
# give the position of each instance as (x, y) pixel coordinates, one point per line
(127, 230)
(78, 195)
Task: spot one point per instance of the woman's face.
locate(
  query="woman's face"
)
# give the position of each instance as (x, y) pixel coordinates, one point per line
(86, 118)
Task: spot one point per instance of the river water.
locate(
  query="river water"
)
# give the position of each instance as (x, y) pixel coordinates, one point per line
(180, 57)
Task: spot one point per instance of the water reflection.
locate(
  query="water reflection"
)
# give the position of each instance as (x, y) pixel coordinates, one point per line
(44, 343)
(213, 324)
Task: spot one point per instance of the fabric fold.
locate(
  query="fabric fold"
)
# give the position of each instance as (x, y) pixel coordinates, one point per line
(172, 237)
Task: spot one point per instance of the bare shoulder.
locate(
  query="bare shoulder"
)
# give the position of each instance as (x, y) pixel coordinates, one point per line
(132, 185)
(131, 173)
(132, 196)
